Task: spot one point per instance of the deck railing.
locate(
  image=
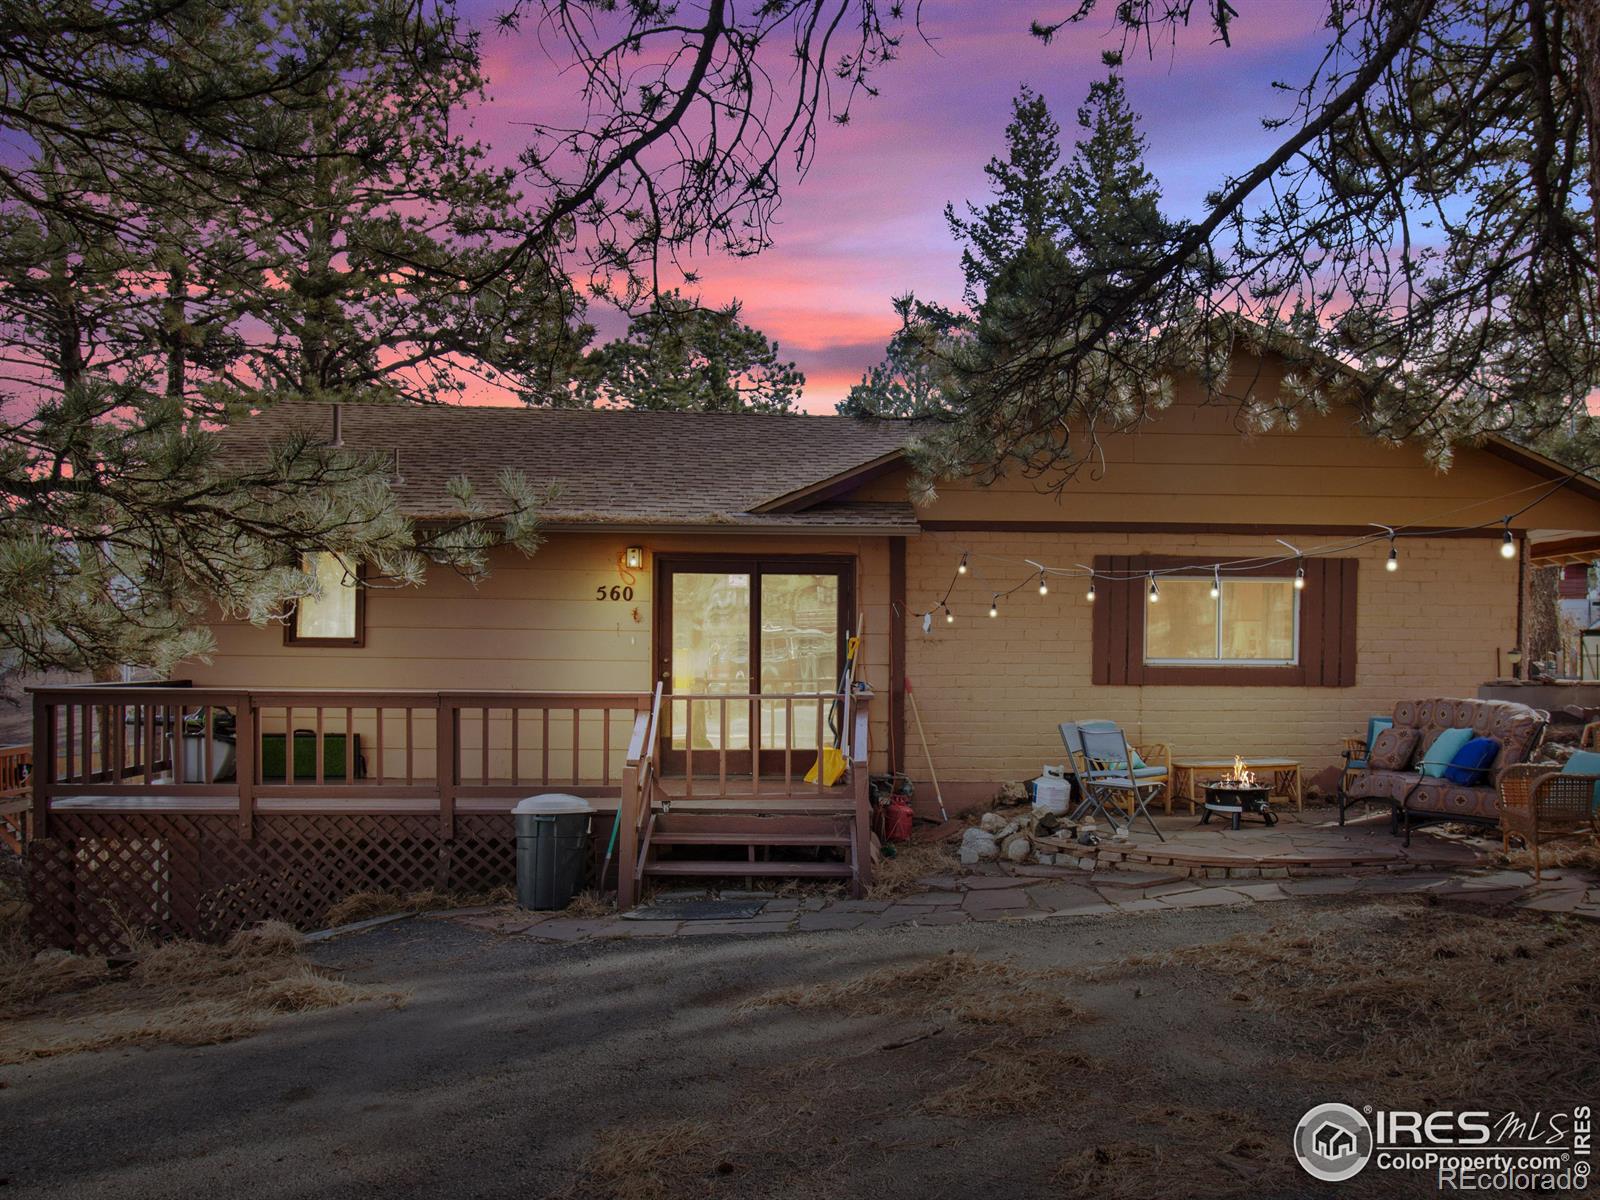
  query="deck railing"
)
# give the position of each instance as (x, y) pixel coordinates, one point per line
(244, 750)
(356, 750)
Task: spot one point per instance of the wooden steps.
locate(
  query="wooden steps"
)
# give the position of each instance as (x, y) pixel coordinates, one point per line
(754, 829)
(734, 870)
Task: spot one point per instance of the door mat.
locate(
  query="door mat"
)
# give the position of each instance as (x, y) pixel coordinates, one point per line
(697, 910)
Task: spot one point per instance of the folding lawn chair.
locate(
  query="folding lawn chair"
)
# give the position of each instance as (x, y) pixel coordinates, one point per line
(1102, 770)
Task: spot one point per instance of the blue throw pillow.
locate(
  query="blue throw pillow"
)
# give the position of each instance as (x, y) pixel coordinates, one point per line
(1470, 766)
(1443, 751)
(1585, 762)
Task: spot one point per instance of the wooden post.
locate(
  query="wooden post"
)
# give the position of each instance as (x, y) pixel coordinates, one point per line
(244, 763)
(447, 732)
(627, 836)
(44, 763)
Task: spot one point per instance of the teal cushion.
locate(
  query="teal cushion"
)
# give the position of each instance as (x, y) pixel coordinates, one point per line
(1443, 751)
(1585, 762)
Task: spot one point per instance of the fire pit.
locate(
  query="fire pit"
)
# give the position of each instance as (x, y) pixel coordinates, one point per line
(1236, 794)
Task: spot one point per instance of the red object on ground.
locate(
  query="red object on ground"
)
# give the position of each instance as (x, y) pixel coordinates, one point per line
(894, 820)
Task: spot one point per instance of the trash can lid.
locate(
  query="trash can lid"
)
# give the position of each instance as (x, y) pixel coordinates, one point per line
(551, 804)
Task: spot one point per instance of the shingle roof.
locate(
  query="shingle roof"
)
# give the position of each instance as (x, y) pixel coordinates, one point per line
(613, 467)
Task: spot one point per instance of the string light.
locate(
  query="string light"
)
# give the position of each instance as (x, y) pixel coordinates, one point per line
(1509, 549)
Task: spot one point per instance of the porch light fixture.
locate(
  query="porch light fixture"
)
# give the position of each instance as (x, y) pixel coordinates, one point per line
(633, 558)
(962, 569)
(1508, 544)
(994, 607)
(1155, 592)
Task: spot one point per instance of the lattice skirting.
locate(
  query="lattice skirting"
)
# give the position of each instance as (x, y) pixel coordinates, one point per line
(101, 876)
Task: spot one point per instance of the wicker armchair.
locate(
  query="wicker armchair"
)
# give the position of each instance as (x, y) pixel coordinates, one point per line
(1159, 754)
(1537, 803)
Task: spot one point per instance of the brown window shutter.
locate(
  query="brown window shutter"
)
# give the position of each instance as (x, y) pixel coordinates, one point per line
(1327, 628)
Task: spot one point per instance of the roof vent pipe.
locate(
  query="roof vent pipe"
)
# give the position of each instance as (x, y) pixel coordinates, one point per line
(396, 470)
(338, 425)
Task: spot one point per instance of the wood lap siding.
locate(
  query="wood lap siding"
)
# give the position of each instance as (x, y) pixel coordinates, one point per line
(1327, 628)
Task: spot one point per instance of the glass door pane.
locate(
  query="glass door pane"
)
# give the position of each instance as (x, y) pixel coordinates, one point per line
(799, 652)
(710, 656)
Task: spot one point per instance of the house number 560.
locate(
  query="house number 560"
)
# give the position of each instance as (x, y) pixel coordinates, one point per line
(614, 592)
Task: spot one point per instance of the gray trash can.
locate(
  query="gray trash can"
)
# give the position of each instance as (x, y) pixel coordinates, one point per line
(552, 845)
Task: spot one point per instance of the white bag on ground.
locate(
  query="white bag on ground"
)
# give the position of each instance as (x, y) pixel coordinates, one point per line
(1051, 791)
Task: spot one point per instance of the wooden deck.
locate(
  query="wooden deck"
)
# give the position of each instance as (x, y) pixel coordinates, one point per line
(155, 800)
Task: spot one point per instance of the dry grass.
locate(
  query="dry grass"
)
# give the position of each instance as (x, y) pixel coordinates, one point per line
(962, 987)
(1574, 854)
(658, 1163)
(590, 904)
(1014, 1077)
(363, 906)
(897, 876)
(1422, 1001)
(180, 993)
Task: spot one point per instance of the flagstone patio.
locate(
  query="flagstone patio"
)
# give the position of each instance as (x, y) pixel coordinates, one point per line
(1197, 866)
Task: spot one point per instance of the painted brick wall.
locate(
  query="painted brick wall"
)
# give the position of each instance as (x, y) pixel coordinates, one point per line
(992, 691)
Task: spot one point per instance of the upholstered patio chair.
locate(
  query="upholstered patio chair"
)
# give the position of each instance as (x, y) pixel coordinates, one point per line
(1537, 803)
(1355, 754)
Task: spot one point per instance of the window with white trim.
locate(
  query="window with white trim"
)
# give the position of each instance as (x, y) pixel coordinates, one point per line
(1251, 621)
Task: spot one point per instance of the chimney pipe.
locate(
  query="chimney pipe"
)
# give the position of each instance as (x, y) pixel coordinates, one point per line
(338, 425)
(396, 468)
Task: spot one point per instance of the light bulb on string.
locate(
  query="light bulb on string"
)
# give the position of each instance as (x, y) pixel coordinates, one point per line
(1299, 579)
(1089, 595)
(1508, 543)
(949, 617)
(1044, 587)
(994, 607)
(1216, 582)
(961, 568)
(1155, 592)
(1299, 564)
(1394, 558)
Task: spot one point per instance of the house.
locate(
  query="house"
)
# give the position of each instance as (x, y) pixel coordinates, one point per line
(730, 556)
(1334, 1141)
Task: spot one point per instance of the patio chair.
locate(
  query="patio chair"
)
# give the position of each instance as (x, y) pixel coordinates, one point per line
(1537, 803)
(1103, 773)
(1355, 758)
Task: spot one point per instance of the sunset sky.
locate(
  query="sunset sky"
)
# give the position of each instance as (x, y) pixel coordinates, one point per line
(867, 222)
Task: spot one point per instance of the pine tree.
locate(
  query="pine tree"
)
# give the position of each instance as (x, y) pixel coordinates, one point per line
(681, 356)
(1029, 200)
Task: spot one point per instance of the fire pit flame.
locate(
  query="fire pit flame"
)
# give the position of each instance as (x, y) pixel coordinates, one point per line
(1241, 776)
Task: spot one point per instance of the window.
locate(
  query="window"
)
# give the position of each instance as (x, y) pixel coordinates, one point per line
(336, 616)
(1260, 631)
(1252, 622)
